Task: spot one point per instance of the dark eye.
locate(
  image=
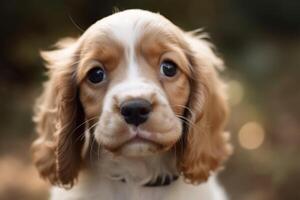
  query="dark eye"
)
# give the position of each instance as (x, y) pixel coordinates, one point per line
(96, 75)
(168, 68)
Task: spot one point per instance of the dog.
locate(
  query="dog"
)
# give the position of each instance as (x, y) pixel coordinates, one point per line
(133, 109)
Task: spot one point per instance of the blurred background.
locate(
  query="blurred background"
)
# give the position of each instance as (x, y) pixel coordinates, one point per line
(258, 39)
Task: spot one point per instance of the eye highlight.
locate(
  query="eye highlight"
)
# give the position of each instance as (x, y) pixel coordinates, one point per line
(96, 75)
(168, 68)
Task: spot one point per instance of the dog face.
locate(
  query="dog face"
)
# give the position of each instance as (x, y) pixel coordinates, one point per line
(133, 78)
(141, 86)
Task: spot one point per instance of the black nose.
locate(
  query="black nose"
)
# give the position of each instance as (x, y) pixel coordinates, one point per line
(136, 111)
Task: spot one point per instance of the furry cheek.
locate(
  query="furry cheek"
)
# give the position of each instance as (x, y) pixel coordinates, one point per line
(91, 100)
(179, 89)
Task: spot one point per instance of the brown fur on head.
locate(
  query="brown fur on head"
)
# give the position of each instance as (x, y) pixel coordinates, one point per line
(59, 117)
(69, 100)
(205, 142)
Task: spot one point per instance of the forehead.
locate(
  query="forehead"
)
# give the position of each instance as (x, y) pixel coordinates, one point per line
(126, 29)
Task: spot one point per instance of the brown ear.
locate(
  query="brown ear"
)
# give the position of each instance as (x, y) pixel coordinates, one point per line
(206, 145)
(59, 119)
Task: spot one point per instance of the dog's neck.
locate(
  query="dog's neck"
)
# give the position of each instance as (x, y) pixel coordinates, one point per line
(144, 171)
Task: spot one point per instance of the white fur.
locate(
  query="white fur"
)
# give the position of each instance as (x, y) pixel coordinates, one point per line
(103, 182)
(113, 190)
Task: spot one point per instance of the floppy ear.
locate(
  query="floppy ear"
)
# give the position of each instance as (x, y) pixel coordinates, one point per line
(59, 118)
(205, 142)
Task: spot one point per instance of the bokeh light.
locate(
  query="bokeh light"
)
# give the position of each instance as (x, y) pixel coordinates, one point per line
(251, 135)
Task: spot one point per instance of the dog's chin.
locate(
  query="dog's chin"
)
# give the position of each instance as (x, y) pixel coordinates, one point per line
(139, 147)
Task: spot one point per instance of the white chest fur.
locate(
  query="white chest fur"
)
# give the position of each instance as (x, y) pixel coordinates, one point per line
(114, 190)
(103, 182)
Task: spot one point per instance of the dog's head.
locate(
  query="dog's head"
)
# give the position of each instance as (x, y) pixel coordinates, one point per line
(141, 86)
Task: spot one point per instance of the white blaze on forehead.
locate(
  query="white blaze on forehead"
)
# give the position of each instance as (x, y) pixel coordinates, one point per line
(127, 27)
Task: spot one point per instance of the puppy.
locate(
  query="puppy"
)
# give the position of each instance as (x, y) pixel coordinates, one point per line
(133, 109)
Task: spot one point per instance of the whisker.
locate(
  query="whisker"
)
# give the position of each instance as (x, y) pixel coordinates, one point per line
(83, 123)
(91, 152)
(73, 22)
(98, 152)
(185, 107)
(92, 145)
(80, 137)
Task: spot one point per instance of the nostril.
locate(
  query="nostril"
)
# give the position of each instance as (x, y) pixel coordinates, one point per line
(135, 111)
(145, 110)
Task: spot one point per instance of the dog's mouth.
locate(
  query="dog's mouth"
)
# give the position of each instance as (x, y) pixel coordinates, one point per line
(141, 143)
(140, 146)
(139, 140)
(148, 138)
